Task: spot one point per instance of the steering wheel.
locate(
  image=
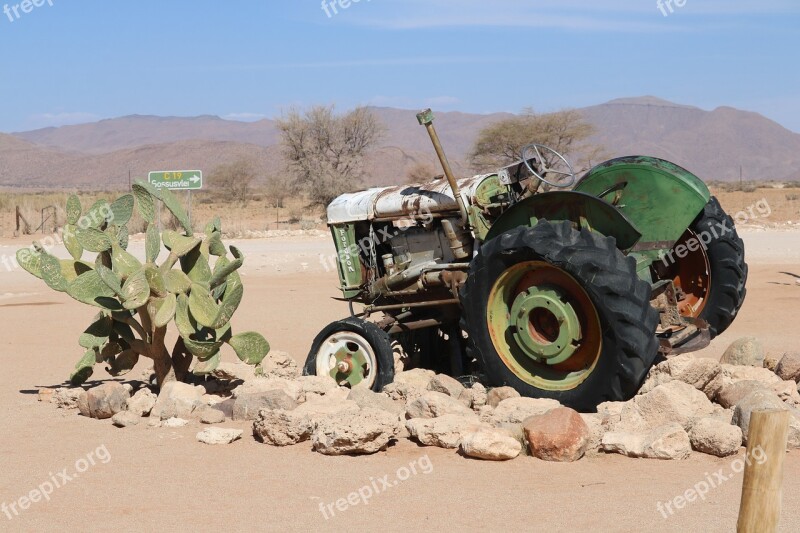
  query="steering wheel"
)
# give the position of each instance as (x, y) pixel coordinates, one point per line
(544, 169)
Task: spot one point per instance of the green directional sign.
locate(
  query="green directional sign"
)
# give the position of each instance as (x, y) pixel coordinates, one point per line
(177, 180)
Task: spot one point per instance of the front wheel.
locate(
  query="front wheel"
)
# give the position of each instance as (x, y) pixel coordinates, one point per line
(559, 313)
(354, 353)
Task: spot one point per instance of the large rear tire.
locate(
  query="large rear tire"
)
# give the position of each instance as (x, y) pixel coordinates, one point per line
(559, 313)
(727, 264)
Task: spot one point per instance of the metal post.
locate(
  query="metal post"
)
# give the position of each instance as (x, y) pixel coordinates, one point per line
(425, 118)
(760, 509)
(190, 207)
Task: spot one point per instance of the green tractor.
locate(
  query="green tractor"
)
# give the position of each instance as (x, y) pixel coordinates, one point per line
(511, 279)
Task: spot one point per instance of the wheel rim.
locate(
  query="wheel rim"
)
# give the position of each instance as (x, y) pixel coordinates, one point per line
(544, 326)
(691, 276)
(348, 358)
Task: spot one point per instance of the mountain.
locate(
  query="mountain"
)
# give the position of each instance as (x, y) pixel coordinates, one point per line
(712, 144)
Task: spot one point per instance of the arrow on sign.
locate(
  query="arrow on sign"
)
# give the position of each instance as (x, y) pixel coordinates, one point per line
(194, 179)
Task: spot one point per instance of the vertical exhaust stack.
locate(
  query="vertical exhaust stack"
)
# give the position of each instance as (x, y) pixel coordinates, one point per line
(425, 118)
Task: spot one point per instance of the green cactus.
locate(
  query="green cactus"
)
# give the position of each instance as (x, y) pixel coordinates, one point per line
(138, 301)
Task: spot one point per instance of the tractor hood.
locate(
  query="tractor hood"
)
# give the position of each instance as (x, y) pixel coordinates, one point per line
(402, 201)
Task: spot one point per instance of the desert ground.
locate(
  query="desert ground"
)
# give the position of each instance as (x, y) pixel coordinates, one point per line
(161, 478)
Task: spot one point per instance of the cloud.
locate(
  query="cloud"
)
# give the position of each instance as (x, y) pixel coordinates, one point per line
(583, 15)
(49, 120)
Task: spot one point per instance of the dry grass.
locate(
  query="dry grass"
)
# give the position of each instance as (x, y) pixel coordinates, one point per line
(237, 219)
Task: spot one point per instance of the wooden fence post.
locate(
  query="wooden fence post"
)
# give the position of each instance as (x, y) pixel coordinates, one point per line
(760, 509)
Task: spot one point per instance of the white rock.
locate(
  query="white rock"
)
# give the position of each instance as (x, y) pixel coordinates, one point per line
(715, 437)
(366, 432)
(283, 428)
(516, 410)
(142, 402)
(490, 445)
(674, 401)
(703, 374)
(280, 364)
(293, 389)
(317, 386)
(434, 404)
(665, 442)
(125, 419)
(67, 397)
(445, 431)
(446, 385)
(217, 435)
(177, 400)
(732, 374)
(594, 422)
(474, 397)
(234, 371)
(366, 398)
(174, 423)
(409, 385)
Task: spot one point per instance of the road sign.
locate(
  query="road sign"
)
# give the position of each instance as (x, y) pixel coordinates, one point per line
(177, 180)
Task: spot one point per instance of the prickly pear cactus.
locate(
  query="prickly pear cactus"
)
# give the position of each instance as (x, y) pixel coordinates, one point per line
(196, 287)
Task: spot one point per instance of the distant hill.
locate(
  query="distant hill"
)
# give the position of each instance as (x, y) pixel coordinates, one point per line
(712, 144)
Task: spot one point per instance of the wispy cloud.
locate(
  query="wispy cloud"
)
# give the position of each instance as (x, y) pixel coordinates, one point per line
(579, 15)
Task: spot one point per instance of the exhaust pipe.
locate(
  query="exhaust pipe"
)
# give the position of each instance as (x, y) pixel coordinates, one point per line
(425, 118)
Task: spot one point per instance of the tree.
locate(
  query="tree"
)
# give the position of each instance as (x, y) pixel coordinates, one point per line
(233, 180)
(421, 173)
(566, 131)
(277, 188)
(325, 152)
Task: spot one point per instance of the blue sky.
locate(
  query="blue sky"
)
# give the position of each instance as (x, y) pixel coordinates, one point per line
(77, 61)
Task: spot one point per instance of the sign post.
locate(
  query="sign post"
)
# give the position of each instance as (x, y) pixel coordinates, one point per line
(177, 180)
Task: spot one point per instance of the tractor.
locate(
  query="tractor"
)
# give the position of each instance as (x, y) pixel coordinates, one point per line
(562, 288)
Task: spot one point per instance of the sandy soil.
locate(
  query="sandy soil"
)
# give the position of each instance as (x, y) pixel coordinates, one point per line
(163, 478)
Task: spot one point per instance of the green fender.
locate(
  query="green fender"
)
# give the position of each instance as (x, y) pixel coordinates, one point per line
(660, 198)
(585, 210)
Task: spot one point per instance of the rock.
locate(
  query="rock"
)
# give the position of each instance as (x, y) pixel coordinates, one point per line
(367, 398)
(67, 397)
(280, 364)
(594, 422)
(338, 394)
(153, 423)
(247, 406)
(366, 432)
(490, 445)
(747, 351)
(474, 397)
(665, 442)
(142, 402)
(215, 436)
(103, 401)
(771, 362)
(294, 389)
(733, 374)
(733, 393)
(446, 385)
(317, 386)
(788, 368)
(701, 373)
(125, 419)
(445, 431)
(177, 400)
(210, 415)
(283, 428)
(498, 394)
(234, 371)
(755, 401)
(715, 437)
(174, 422)
(787, 392)
(517, 410)
(674, 401)
(435, 404)
(409, 385)
(558, 435)
(668, 442)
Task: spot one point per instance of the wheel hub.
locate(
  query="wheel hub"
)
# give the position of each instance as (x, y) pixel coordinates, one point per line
(546, 327)
(349, 366)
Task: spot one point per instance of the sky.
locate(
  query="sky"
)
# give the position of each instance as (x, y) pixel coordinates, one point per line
(73, 61)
